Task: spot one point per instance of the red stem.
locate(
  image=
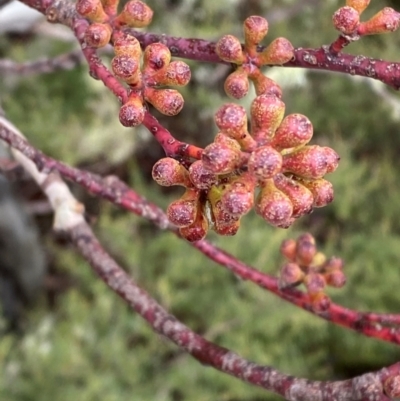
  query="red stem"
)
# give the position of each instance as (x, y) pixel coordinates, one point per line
(120, 194)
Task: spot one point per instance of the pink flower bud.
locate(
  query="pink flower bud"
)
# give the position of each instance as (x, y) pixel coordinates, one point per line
(168, 172)
(135, 14)
(359, 5)
(229, 49)
(306, 249)
(346, 20)
(127, 45)
(301, 198)
(183, 211)
(255, 29)
(177, 73)
(266, 115)
(385, 21)
(237, 84)
(295, 130)
(335, 278)
(320, 302)
(200, 176)
(231, 119)
(279, 51)
(290, 275)
(223, 223)
(322, 191)
(167, 101)
(132, 112)
(273, 205)
(98, 35)
(92, 10)
(314, 282)
(288, 249)
(126, 68)
(311, 162)
(221, 157)
(391, 386)
(196, 231)
(238, 195)
(265, 162)
(156, 57)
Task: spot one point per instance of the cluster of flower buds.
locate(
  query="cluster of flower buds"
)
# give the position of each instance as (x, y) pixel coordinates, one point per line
(105, 19)
(147, 79)
(347, 20)
(305, 265)
(273, 159)
(249, 59)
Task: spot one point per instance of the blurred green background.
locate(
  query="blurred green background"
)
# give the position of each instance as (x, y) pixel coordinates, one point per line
(81, 342)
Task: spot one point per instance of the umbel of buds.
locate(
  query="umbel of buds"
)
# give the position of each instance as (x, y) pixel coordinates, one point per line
(347, 20)
(103, 16)
(147, 81)
(270, 167)
(305, 265)
(249, 60)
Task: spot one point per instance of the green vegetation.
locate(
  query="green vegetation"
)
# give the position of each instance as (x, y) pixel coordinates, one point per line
(90, 346)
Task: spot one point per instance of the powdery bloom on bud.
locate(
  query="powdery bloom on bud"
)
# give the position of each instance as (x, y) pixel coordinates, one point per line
(264, 85)
(92, 10)
(301, 198)
(231, 119)
(332, 264)
(265, 162)
(288, 249)
(98, 35)
(237, 84)
(310, 162)
(135, 14)
(278, 52)
(295, 130)
(359, 5)
(132, 112)
(156, 57)
(126, 68)
(266, 115)
(314, 282)
(200, 176)
(237, 198)
(255, 28)
(346, 20)
(335, 278)
(391, 387)
(110, 6)
(306, 249)
(229, 49)
(322, 191)
(274, 206)
(168, 172)
(385, 21)
(177, 73)
(290, 275)
(167, 101)
(196, 231)
(223, 223)
(127, 45)
(183, 211)
(220, 159)
(320, 302)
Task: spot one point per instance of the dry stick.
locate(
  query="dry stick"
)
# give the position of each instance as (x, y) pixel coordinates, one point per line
(117, 192)
(69, 219)
(65, 61)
